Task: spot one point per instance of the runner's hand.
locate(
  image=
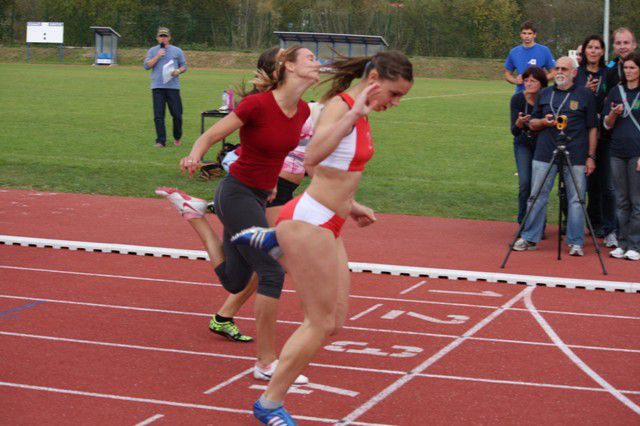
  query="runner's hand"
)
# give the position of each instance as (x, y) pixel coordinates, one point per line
(273, 194)
(362, 106)
(190, 165)
(363, 215)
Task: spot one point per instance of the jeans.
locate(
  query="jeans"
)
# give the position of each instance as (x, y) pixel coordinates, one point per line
(602, 203)
(171, 97)
(575, 221)
(627, 183)
(523, 153)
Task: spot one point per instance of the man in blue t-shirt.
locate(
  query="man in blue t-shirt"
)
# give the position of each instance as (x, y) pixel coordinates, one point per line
(578, 105)
(528, 53)
(166, 63)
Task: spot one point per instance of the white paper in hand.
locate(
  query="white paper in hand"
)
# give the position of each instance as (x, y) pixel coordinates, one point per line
(167, 69)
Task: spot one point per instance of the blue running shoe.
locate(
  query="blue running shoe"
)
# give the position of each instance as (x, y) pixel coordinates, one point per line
(277, 417)
(260, 238)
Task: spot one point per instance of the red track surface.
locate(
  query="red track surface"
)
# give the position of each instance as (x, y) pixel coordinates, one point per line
(102, 338)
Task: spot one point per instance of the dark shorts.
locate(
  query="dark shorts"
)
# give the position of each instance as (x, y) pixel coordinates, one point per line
(239, 207)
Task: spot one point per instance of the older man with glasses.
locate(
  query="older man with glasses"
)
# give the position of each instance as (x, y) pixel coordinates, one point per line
(578, 104)
(166, 63)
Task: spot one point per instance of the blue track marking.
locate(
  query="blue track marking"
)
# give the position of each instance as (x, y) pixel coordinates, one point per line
(19, 308)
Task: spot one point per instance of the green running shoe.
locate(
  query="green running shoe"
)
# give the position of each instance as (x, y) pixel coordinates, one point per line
(229, 330)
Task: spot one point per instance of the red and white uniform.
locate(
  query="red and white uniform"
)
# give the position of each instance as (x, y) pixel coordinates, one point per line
(355, 149)
(351, 154)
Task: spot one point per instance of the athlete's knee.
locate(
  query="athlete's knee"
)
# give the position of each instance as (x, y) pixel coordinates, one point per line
(232, 283)
(270, 283)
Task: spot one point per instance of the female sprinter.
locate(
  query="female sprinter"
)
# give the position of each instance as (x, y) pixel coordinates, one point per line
(309, 226)
(270, 124)
(622, 116)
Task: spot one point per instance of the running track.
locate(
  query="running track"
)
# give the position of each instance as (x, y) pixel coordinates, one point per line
(98, 338)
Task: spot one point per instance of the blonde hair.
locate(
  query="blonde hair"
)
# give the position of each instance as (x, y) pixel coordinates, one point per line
(264, 81)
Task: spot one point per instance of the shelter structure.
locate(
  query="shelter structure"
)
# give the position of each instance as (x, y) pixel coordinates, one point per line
(324, 44)
(105, 51)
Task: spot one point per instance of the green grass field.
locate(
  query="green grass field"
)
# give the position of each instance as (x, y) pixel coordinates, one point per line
(446, 151)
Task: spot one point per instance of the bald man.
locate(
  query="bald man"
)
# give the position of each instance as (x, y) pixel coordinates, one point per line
(578, 104)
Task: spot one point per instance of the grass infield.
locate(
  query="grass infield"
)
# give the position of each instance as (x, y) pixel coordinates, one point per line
(446, 151)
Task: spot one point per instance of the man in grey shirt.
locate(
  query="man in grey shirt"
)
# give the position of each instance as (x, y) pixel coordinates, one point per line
(166, 63)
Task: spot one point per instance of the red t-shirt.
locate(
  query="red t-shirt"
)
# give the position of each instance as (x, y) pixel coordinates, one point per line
(266, 137)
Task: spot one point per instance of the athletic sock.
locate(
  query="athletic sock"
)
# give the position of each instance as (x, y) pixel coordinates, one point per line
(269, 405)
(223, 319)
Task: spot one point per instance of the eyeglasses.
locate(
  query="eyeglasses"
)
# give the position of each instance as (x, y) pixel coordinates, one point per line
(163, 35)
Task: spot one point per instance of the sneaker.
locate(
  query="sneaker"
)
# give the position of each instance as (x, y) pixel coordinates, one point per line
(275, 417)
(261, 238)
(177, 142)
(266, 373)
(229, 330)
(617, 253)
(576, 250)
(189, 207)
(523, 245)
(611, 240)
(159, 145)
(632, 255)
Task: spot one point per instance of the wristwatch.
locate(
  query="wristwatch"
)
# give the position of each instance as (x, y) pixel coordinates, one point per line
(592, 156)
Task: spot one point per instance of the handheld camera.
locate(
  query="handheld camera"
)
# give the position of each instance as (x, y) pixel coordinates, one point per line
(162, 45)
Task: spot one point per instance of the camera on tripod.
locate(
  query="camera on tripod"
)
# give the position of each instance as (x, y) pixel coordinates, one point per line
(561, 122)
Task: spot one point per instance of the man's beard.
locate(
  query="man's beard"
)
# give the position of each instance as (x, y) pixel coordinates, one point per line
(562, 80)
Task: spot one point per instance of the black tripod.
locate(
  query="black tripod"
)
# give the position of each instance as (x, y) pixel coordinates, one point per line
(562, 156)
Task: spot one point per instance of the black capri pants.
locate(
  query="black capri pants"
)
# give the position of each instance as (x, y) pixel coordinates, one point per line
(238, 207)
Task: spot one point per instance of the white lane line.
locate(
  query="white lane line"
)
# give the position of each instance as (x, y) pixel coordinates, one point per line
(331, 389)
(150, 420)
(519, 383)
(320, 365)
(228, 382)
(164, 402)
(390, 299)
(413, 287)
(122, 277)
(362, 409)
(575, 358)
(367, 329)
(365, 312)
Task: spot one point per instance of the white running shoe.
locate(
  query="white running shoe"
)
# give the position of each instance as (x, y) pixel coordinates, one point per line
(576, 250)
(617, 253)
(189, 207)
(611, 240)
(266, 373)
(632, 255)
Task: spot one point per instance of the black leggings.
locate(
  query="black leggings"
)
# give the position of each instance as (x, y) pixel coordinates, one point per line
(238, 207)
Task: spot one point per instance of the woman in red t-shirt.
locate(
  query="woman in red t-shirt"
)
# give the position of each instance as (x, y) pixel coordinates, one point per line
(308, 230)
(269, 123)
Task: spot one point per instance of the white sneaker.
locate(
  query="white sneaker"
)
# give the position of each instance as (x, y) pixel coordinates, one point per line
(611, 240)
(576, 250)
(632, 255)
(523, 245)
(189, 207)
(617, 253)
(266, 373)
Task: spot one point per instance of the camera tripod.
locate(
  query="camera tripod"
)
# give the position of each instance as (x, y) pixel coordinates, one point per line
(561, 155)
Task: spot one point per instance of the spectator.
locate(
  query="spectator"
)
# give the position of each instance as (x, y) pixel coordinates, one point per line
(524, 140)
(167, 62)
(622, 116)
(527, 54)
(624, 42)
(602, 211)
(578, 104)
